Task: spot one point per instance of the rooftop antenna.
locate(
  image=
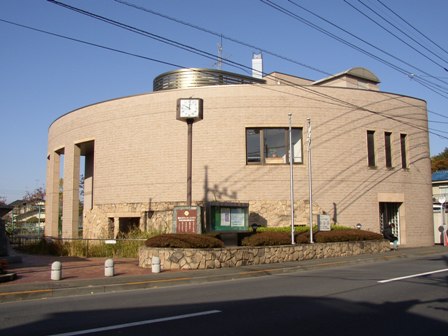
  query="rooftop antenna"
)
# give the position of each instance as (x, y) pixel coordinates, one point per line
(219, 62)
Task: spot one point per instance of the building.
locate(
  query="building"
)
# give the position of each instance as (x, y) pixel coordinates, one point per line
(440, 200)
(26, 217)
(370, 155)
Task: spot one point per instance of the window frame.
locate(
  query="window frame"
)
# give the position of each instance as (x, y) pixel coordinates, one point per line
(404, 150)
(371, 157)
(262, 148)
(388, 149)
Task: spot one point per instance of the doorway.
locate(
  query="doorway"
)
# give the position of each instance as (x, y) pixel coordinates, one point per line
(390, 214)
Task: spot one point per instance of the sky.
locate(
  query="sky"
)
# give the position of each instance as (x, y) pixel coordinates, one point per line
(43, 76)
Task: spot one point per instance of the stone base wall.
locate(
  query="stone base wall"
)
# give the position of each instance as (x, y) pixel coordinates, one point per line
(190, 259)
(99, 222)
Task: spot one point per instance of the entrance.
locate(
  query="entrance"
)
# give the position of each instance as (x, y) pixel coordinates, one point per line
(390, 214)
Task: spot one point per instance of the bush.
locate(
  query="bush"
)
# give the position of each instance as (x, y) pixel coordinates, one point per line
(127, 247)
(46, 246)
(283, 238)
(346, 235)
(184, 240)
(267, 238)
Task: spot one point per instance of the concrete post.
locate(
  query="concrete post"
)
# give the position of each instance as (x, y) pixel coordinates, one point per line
(56, 270)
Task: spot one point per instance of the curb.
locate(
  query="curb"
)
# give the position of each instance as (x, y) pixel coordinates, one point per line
(57, 289)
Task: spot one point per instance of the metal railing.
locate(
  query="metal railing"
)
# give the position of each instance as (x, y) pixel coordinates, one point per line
(80, 247)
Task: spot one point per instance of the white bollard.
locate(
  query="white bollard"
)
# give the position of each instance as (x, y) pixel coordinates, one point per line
(109, 268)
(56, 270)
(155, 265)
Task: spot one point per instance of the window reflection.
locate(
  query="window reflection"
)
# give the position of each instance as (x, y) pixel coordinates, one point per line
(271, 145)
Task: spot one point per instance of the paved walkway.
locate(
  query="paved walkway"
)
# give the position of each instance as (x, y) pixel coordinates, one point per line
(36, 268)
(81, 276)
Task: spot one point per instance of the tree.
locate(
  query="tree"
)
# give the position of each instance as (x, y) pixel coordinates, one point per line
(36, 196)
(2, 200)
(440, 161)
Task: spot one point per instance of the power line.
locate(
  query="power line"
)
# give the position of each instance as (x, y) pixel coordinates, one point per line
(339, 39)
(222, 36)
(400, 30)
(418, 31)
(89, 43)
(156, 37)
(328, 98)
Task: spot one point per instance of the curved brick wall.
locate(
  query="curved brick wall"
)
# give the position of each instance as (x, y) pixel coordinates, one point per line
(139, 158)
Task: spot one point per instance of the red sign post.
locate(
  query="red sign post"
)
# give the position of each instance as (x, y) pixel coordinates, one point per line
(186, 221)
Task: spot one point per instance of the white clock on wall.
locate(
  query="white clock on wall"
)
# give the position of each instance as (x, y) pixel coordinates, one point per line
(189, 108)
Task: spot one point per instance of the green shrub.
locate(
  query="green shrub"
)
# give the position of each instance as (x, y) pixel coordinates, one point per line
(284, 238)
(184, 240)
(285, 229)
(267, 238)
(346, 235)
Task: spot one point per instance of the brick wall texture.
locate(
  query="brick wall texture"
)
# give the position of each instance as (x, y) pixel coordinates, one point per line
(140, 155)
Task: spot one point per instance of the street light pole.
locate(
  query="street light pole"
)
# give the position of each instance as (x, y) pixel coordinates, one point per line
(291, 178)
(310, 180)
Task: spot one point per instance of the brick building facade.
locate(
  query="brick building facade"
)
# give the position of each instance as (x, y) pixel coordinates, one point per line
(370, 154)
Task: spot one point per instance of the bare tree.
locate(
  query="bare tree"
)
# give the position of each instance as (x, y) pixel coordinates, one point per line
(37, 195)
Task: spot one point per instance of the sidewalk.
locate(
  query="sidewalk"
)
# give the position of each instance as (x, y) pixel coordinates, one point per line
(81, 276)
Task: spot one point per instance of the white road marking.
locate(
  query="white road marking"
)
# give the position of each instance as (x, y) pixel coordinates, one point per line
(413, 276)
(136, 324)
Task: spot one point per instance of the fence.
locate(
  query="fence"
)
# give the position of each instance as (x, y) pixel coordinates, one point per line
(79, 247)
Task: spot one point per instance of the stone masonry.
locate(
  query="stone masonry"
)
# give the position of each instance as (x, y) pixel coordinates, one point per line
(191, 259)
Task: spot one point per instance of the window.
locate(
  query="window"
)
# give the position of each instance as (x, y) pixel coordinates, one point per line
(271, 145)
(388, 149)
(371, 148)
(404, 160)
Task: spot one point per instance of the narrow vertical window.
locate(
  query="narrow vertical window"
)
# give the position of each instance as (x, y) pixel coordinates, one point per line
(404, 159)
(388, 149)
(371, 148)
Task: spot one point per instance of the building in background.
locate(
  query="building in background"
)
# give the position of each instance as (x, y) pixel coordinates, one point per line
(440, 203)
(370, 155)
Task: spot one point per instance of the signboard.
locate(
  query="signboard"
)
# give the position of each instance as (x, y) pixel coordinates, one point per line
(227, 217)
(186, 220)
(323, 222)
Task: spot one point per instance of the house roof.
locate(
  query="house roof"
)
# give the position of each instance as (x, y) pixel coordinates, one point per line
(358, 72)
(440, 175)
(17, 203)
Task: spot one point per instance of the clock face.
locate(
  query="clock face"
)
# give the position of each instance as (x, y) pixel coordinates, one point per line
(189, 108)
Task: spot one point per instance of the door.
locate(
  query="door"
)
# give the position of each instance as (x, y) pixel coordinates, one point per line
(390, 214)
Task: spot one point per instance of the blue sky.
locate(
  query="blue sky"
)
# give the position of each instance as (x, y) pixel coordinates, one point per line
(43, 77)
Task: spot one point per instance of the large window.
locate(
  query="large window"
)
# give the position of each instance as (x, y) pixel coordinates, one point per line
(271, 145)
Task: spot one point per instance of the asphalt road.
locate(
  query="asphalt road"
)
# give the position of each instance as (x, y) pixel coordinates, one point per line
(400, 297)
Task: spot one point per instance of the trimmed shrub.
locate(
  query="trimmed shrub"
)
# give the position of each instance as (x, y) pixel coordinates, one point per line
(285, 229)
(267, 238)
(184, 240)
(346, 235)
(283, 238)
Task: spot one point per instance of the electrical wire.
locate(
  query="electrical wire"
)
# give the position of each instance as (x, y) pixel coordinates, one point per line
(418, 31)
(396, 36)
(334, 99)
(220, 35)
(295, 16)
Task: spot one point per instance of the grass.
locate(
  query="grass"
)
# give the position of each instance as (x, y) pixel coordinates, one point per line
(126, 247)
